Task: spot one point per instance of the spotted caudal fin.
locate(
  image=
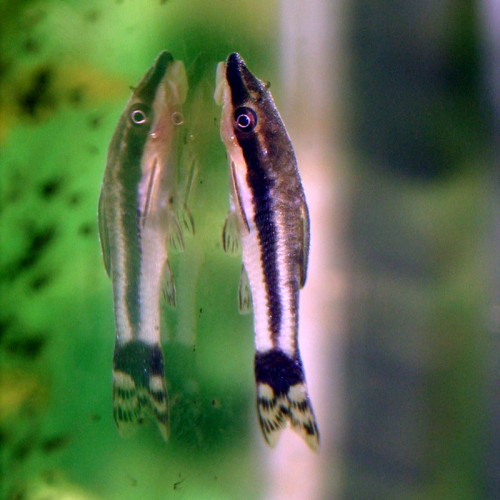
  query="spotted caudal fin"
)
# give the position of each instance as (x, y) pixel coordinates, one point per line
(139, 386)
(282, 398)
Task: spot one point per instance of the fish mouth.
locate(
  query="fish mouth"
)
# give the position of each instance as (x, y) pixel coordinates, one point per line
(146, 89)
(228, 72)
(235, 63)
(243, 85)
(239, 79)
(245, 88)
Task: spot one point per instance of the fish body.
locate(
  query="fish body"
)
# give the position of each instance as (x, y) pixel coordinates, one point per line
(268, 214)
(138, 209)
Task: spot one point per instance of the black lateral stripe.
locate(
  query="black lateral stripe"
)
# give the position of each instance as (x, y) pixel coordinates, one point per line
(261, 186)
(129, 177)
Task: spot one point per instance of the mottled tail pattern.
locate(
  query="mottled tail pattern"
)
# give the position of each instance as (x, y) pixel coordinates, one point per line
(282, 398)
(139, 386)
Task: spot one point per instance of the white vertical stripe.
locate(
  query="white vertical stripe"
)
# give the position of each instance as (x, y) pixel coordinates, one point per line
(253, 265)
(252, 257)
(288, 328)
(154, 255)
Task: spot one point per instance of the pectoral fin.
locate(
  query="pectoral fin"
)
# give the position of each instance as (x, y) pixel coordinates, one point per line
(304, 244)
(168, 285)
(185, 219)
(244, 293)
(231, 241)
(181, 218)
(103, 236)
(176, 239)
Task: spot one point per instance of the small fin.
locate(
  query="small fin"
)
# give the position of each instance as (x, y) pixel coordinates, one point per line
(176, 239)
(231, 241)
(304, 243)
(185, 183)
(180, 218)
(272, 414)
(139, 387)
(185, 219)
(103, 235)
(282, 397)
(244, 293)
(126, 410)
(302, 416)
(168, 285)
(154, 179)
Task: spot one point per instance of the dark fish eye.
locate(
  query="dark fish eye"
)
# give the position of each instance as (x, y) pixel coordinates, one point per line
(177, 118)
(138, 116)
(245, 119)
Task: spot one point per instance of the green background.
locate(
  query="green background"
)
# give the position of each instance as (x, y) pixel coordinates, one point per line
(413, 125)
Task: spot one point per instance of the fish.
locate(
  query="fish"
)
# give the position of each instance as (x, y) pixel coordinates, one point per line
(268, 220)
(142, 212)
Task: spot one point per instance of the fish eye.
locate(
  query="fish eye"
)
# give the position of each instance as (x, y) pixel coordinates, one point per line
(177, 118)
(138, 116)
(245, 119)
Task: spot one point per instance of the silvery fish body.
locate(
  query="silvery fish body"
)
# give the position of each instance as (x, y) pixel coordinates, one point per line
(269, 215)
(139, 209)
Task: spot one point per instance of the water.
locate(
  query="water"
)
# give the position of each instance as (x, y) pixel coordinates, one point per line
(398, 328)
(67, 68)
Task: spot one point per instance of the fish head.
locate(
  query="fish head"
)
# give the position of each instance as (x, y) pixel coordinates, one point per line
(143, 154)
(250, 119)
(157, 106)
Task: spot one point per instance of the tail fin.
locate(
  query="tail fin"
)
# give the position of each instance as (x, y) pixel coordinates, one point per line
(139, 386)
(282, 397)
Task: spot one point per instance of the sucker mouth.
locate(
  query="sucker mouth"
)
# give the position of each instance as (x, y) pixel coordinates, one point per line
(147, 86)
(235, 59)
(236, 75)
